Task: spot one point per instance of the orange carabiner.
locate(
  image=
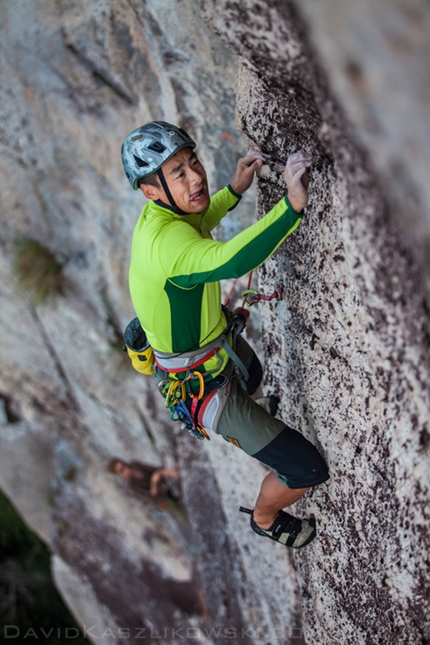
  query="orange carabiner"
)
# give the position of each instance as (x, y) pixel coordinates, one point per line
(199, 375)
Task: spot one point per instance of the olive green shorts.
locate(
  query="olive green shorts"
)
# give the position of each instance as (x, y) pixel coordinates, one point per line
(245, 424)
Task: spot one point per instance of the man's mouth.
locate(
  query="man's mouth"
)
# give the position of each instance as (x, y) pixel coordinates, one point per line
(198, 196)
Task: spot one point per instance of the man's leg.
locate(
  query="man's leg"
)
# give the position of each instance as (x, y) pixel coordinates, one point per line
(273, 497)
(295, 463)
(268, 518)
(297, 466)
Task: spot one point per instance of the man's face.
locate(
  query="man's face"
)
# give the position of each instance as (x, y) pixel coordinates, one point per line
(187, 182)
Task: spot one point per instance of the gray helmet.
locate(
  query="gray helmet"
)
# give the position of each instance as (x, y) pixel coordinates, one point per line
(146, 149)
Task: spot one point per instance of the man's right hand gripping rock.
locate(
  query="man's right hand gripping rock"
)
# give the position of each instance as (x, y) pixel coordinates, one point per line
(297, 179)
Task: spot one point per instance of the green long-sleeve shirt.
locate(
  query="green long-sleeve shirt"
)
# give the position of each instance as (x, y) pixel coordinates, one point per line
(176, 266)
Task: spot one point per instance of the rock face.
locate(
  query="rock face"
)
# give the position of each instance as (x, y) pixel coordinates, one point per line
(347, 350)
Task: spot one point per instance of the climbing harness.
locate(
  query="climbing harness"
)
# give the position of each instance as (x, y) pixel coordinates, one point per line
(191, 399)
(196, 397)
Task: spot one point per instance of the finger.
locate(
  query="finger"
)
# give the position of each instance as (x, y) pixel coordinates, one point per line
(299, 153)
(293, 159)
(293, 167)
(305, 180)
(298, 180)
(256, 162)
(298, 163)
(254, 152)
(299, 172)
(294, 178)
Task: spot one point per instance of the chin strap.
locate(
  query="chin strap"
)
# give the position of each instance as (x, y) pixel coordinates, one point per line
(172, 206)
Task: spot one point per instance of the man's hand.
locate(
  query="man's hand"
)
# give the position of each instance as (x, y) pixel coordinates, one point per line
(246, 167)
(297, 179)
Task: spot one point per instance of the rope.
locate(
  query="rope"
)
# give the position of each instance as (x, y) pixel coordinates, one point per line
(247, 286)
(233, 286)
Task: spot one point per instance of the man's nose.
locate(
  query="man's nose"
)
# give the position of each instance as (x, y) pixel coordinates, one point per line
(195, 175)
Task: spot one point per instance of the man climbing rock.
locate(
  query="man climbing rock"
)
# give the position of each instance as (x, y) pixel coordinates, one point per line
(206, 371)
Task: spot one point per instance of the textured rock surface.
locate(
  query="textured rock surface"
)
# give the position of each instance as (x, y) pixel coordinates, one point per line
(347, 349)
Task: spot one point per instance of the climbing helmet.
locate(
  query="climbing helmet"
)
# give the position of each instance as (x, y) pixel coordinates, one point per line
(147, 148)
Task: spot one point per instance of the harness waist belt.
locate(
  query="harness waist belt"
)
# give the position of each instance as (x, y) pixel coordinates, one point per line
(189, 360)
(176, 363)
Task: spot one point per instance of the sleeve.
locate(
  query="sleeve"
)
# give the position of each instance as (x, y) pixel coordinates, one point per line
(222, 202)
(188, 259)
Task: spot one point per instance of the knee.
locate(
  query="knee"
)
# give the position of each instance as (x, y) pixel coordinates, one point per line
(296, 460)
(312, 468)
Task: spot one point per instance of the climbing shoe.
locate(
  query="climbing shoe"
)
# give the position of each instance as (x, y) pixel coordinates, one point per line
(286, 529)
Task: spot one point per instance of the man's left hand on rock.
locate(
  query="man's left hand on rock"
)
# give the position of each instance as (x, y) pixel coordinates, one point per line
(246, 167)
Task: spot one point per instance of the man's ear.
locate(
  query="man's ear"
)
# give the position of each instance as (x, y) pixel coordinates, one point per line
(150, 192)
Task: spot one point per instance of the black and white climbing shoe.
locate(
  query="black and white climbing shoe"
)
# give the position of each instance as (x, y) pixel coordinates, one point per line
(286, 529)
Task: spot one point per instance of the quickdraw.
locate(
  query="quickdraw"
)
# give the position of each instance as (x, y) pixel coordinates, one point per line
(175, 392)
(174, 389)
(251, 297)
(181, 413)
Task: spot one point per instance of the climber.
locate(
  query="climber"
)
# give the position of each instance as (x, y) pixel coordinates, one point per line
(161, 481)
(206, 371)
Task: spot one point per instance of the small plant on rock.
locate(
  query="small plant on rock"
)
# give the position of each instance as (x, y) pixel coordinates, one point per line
(39, 271)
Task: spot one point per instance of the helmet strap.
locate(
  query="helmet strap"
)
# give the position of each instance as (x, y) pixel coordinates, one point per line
(172, 206)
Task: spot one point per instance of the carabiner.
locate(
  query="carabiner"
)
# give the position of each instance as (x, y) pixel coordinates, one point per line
(251, 297)
(198, 375)
(176, 391)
